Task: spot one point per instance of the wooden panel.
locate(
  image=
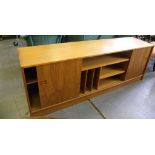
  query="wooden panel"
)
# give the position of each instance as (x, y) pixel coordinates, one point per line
(100, 61)
(44, 54)
(90, 77)
(138, 62)
(96, 77)
(59, 82)
(83, 81)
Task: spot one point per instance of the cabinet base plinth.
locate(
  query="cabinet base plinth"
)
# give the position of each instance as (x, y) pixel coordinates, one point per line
(82, 97)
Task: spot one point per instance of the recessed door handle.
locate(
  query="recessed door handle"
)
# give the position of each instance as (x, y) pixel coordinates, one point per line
(43, 82)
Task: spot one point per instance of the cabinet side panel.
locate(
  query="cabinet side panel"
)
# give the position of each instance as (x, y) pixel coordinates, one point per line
(138, 62)
(59, 81)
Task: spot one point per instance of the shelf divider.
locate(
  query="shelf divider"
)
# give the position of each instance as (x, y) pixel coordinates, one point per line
(96, 77)
(83, 81)
(90, 77)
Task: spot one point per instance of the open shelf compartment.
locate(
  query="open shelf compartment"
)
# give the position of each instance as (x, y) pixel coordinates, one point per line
(33, 94)
(30, 75)
(105, 60)
(109, 71)
(110, 82)
(115, 69)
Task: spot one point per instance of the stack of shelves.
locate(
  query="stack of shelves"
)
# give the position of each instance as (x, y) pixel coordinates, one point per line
(103, 72)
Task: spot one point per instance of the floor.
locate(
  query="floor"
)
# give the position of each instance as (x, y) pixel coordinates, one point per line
(13, 102)
(133, 101)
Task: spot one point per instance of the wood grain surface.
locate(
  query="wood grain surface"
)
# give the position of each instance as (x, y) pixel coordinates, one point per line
(45, 54)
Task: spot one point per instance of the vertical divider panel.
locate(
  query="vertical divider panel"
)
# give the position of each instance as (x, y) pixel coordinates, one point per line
(125, 65)
(90, 78)
(83, 81)
(96, 77)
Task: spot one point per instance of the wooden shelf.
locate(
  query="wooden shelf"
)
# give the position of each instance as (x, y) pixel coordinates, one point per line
(31, 81)
(109, 71)
(100, 61)
(109, 82)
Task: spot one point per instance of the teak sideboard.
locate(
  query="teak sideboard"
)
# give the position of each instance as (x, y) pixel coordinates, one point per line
(59, 75)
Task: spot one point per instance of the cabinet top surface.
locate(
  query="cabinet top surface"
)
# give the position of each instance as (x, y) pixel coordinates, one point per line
(44, 54)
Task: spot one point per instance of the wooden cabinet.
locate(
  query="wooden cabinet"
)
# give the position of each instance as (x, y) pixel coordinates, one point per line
(137, 62)
(59, 82)
(57, 76)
